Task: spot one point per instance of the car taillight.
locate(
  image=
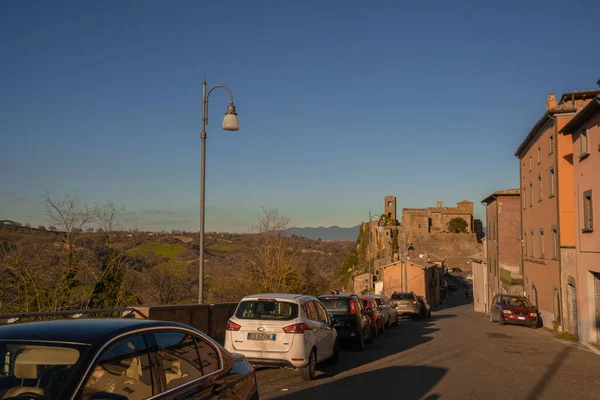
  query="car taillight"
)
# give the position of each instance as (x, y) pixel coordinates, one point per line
(296, 328)
(352, 307)
(232, 326)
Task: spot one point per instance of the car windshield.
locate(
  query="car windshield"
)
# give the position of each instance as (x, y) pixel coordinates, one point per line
(403, 296)
(267, 309)
(515, 302)
(37, 368)
(336, 305)
(379, 301)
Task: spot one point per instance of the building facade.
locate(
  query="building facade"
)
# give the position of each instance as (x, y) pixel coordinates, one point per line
(547, 210)
(503, 242)
(436, 219)
(583, 292)
(421, 277)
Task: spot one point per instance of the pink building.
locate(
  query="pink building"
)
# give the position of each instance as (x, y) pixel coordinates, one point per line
(584, 131)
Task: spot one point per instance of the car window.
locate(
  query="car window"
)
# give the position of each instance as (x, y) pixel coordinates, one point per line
(358, 304)
(403, 296)
(379, 301)
(123, 368)
(209, 356)
(267, 309)
(178, 358)
(336, 305)
(35, 367)
(310, 311)
(321, 312)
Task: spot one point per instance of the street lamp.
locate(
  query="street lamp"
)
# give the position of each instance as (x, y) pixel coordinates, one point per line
(230, 123)
(369, 253)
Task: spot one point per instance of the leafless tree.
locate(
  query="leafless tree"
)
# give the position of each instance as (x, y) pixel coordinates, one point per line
(70, 216)
(108, 220)
(155, 286)
(271, 266)
(41, 227)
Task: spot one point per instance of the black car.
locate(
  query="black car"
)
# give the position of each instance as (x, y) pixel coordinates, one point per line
(118, 359)
(350, 319)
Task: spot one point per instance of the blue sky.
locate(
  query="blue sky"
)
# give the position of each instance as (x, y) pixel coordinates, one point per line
(340, 103)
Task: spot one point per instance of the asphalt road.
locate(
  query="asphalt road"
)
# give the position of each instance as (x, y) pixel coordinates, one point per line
(455, 354)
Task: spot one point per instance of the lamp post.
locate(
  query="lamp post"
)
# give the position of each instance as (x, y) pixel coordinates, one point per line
(230, 123)
(369, 259)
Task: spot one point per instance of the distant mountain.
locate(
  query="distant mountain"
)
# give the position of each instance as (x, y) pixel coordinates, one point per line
(329, 233)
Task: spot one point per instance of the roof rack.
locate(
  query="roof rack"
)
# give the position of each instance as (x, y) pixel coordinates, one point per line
(127, 312)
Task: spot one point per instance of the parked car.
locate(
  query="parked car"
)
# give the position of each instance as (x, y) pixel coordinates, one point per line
(350, 319)
(283, 330)
(390, 314)
(469, 276)
(425, 307)
(118, 359)
(407, 304)
(507, 309)
(375, 314)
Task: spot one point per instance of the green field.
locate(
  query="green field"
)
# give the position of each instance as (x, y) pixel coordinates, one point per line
(221, 248)
(165, 250)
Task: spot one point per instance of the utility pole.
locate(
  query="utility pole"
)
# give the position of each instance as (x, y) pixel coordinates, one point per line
(404, 257)
(369, 256)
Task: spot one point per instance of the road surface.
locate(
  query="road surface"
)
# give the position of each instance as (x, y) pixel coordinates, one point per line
(455, 354)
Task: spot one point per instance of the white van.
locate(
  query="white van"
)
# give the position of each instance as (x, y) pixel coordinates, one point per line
(283, 330)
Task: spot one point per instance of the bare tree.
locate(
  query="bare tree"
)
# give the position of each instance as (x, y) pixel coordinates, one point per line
(271, 260)
(41, 227)
(109, 221)
(70, 216)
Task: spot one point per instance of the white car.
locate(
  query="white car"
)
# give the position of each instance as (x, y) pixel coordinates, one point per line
(283, 330)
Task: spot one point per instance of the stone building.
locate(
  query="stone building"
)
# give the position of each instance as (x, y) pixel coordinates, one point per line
(390, 207)
(436, 219)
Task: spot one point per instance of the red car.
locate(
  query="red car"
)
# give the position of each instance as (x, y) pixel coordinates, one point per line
(507, 309)
(375, 314)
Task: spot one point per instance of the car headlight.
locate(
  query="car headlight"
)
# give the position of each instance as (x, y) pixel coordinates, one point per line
(507, 311)
(533, 314)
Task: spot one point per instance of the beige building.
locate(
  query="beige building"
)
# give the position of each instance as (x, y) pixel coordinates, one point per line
(436, 219)
(415, 275)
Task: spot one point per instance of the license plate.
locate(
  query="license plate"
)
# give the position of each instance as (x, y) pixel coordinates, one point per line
(261, 336)
(521, 317)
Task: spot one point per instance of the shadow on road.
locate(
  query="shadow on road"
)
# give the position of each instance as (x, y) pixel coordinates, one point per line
(406, 382)
(539, 387)
(406, 335)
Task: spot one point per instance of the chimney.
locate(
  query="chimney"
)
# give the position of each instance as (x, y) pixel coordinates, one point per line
(439, 204)
(551, 102)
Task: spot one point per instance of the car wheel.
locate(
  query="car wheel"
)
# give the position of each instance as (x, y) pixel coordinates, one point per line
(491, 318)
(500, 322)
(388, 324)
(308, 373)
(429, 314)
(396, 321)
(375, 332)
(335, 357)
(382, 327)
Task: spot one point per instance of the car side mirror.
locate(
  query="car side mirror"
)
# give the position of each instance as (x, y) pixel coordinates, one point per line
(369, 310)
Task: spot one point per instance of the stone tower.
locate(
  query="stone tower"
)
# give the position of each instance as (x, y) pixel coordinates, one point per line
(390, 207)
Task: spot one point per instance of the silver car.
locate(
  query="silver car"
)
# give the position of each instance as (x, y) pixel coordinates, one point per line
(407, 304)
(390, 314)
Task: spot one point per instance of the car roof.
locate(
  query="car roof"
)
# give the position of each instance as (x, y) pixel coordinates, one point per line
(278, 296)
(337, 296)
(85, 331)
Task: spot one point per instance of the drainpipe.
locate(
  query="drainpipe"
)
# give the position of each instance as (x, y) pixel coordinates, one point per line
(560, 263)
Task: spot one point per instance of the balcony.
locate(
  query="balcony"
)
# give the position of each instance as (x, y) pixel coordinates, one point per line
(511, 275)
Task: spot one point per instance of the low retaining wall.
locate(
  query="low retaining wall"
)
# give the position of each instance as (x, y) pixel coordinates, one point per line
(209, 318)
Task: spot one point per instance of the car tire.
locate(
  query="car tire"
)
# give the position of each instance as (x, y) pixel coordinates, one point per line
(388, 324)
(429, 314)
(308, 372)
(375, 332)
(383, 327)
(396, 321)
(335, 357)
(500, 322)
(491, 318)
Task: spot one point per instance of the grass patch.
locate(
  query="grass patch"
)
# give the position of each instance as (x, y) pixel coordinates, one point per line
(221, 248)
(173, 267)
(566, 336)
(165, 250)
